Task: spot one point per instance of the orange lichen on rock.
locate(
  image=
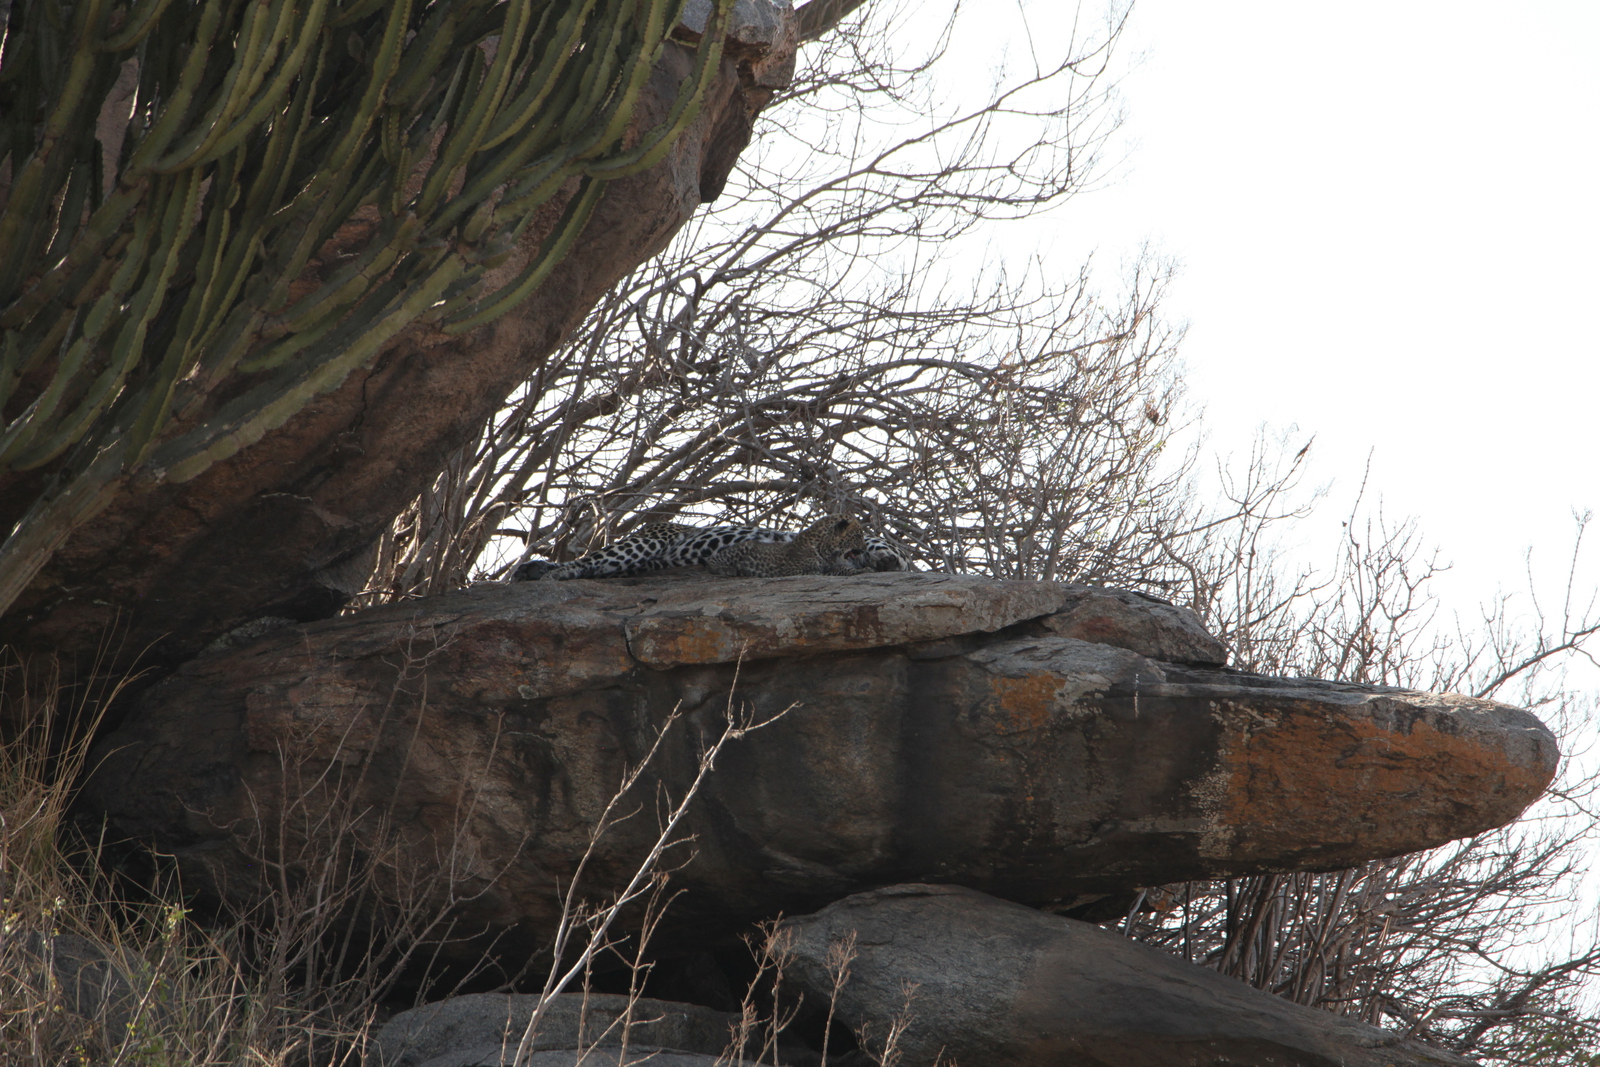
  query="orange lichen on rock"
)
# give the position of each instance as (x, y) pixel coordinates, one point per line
(1027, 704)
(1384, 774)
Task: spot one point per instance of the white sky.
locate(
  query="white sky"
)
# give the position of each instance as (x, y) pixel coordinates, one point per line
(1385, 216)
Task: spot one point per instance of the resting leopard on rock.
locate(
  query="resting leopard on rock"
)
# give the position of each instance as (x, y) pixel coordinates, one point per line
(659, 545)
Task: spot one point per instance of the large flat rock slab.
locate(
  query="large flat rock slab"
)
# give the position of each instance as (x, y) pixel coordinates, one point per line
(755, 618)
(978, 745)
(997, 985)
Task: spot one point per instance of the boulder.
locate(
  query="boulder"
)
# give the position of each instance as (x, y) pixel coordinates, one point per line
(999, 985)
(103, 990)
(601, 1057)
(485, 1029)
(943, 729)
(1137, 622)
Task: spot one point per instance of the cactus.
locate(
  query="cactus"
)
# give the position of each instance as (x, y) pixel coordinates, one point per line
(134, 287)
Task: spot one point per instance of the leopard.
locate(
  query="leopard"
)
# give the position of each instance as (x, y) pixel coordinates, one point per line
(828, 546)
(652, 547)
(643, 550)
(657, 546)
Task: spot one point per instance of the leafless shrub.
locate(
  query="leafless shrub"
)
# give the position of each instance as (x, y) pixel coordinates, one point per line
(1471, 947)
(755, 1037)
(344, 910)
(797, 348)
(584, 930)
(40, 1020)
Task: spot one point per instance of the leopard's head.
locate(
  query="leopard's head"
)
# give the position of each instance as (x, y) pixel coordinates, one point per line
(835, 539)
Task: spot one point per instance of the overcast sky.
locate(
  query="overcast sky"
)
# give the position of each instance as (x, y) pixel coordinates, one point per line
(1386, 220)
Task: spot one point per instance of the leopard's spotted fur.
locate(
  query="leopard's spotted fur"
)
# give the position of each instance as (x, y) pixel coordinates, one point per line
(828, 546)
(643, 550)
(657, 546)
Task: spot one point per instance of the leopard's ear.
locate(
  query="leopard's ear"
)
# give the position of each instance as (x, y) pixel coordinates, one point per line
(842, 525)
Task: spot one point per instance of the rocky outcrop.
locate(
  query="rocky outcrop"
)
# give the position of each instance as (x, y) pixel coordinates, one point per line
(284, 527)
(998, 985)
(944, 729)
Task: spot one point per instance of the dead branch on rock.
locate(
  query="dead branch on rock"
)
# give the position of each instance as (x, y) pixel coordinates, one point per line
(592, 923)
(754, 1039)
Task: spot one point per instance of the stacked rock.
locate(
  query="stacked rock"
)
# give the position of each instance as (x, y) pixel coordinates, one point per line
(1014, 757)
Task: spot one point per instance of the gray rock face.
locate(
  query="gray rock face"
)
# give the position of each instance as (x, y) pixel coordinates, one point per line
(761, 35)
(85, 979)
(944, 729)
(751, 22)
(1152, 628)
(485, 1028)
(998, 985)
(723, 621)
(600, 1057)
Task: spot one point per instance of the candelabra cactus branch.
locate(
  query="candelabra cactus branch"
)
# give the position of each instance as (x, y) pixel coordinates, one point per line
(177, 167)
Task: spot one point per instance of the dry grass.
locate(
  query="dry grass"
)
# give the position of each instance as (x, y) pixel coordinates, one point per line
(93, 975)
